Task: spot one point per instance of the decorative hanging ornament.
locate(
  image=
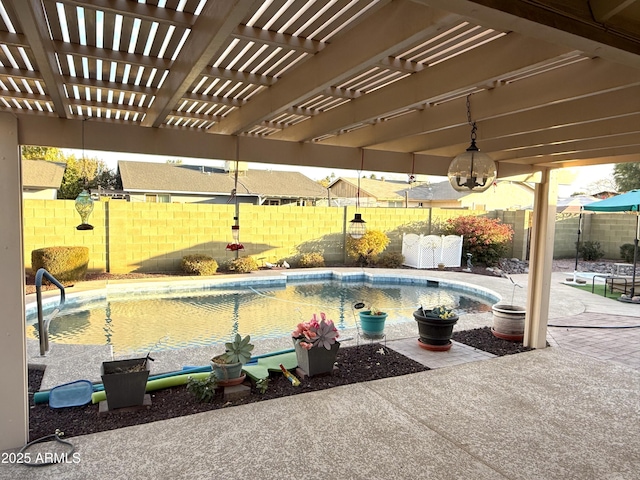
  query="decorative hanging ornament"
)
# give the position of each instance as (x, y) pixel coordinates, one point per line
(235, 234)
(472, 170)
(84, 202)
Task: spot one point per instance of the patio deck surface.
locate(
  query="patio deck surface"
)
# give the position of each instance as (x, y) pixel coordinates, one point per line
(565, 412)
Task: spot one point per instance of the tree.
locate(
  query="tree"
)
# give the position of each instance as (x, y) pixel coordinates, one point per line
(92, 171)
(30, 152)
(605, 184)
(627, 176)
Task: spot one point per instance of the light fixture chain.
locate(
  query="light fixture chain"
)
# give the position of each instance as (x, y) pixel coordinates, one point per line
(474, 128)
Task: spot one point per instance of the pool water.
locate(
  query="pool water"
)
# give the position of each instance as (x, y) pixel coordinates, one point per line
(140, 324)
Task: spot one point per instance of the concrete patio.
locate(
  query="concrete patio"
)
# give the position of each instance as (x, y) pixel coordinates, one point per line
(566, 412)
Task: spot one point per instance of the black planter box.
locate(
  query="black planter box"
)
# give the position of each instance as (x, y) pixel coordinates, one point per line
(125, 382)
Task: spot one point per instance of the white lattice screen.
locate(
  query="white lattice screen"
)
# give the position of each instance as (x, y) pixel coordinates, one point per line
(426, 251)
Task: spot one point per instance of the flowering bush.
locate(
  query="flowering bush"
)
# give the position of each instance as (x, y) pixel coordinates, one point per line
(484, 238)
(316, 333)
(367, 248)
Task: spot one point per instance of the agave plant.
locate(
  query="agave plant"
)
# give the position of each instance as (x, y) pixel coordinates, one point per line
(238, 351)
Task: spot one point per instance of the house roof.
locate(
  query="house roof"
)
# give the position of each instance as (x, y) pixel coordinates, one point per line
(42, 174)
(193, 179)
(394, 190)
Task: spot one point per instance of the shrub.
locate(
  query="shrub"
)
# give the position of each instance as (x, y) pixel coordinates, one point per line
(243, 265)
(391, 260)
(590, 250)
(626, 252)
(203, 389)
(484, 238)
(367, 248)
(311, 260)
(66, 264)
(199, 264)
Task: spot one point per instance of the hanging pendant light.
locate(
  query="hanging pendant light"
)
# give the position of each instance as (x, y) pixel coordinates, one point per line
(358, 226)
(84, 202)
(472, 170)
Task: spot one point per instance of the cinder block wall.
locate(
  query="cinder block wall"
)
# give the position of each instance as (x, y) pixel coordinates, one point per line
(611, 230)
(151, 237)
(52, 223)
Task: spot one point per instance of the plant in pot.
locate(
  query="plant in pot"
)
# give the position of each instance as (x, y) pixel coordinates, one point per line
(228, 365)
(509, 319)
(125, 382)
(435, 327)
(316, 345)
(372, 322)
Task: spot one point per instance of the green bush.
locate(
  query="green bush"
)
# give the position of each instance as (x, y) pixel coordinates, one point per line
(391, 260)
(199, 264)
(243, 265)
(484, 238)
(311, 260)
(367, 248)
(626, 252)
(66, 264)
(204, 389)
(590, 250)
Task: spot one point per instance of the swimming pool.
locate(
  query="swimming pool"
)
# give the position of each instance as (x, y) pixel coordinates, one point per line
(148, 318)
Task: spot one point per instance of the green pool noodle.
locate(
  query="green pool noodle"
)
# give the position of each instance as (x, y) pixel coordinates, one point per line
(271, 364)
(152, 385)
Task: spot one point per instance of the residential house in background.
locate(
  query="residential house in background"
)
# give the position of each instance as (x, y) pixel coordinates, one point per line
(178, 183)
(41, 179)
(396, 193)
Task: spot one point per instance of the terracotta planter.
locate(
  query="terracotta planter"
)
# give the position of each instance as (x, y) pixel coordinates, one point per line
(508, 322)
(125, 382)
(372, 325)
(316, 361)
(435, 333)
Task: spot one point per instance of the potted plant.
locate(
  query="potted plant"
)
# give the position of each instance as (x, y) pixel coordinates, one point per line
(316, 345)
(372, 323)
(125, 381)
(228, 365)
(509, 319)
(435, 327)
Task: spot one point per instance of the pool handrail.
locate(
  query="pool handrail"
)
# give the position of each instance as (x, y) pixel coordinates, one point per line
(43, 327)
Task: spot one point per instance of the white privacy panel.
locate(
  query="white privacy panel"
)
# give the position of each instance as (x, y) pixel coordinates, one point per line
(427, 251)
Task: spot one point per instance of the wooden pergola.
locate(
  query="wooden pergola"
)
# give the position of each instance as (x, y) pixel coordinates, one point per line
(337, 84)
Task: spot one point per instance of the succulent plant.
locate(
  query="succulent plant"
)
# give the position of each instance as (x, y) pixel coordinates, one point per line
(238, 351)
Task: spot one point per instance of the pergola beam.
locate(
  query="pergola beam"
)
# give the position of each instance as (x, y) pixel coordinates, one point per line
(480, 66)
(537, 21)
(31, 17)
(581, 79)
(397, 25)
(220, 16)
(604, 10)
(147, 12)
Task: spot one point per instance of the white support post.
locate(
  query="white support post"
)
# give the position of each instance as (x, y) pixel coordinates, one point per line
(540, 260)
(14, 421)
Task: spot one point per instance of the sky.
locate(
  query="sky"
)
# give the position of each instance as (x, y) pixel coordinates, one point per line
(585, 175)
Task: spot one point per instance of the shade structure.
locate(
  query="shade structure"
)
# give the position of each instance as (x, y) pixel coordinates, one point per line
(626, 202)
